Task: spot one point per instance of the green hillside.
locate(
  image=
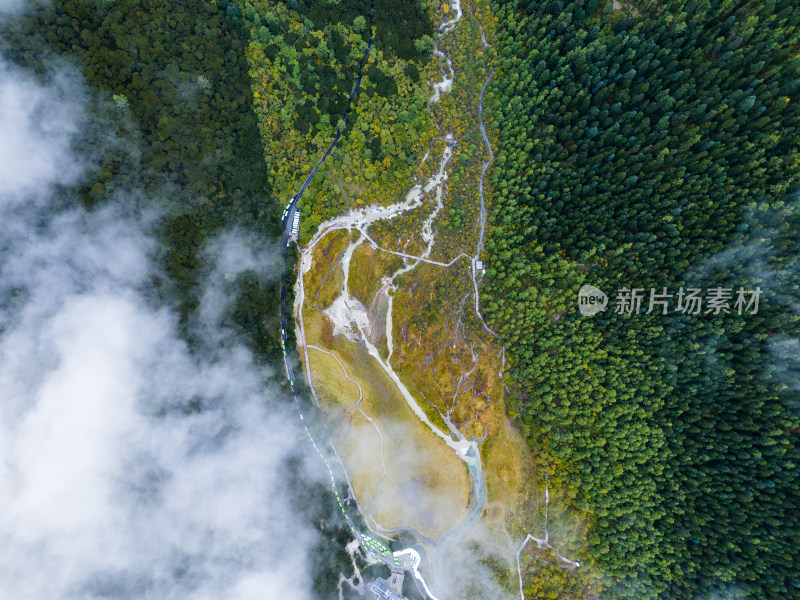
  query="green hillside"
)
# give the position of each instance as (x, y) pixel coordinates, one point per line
(655, 145)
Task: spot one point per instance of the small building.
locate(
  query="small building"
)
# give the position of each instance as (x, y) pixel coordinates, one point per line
(296, 224)
(381, 590)
(479, 266)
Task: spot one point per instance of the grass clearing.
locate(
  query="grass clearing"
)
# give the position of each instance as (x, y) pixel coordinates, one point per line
(426, 485)
(508, 465)
(323, 285)
(440, 351)
(367, 268)
(353, 434)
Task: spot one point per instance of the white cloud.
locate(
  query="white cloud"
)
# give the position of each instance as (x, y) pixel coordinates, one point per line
(130, 467)
(10, 7)
(231, 253)
(37, 124)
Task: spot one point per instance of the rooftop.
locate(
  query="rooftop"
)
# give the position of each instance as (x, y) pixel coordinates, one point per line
(380, 588)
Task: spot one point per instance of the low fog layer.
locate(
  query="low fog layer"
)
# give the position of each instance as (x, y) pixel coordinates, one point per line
(129, 467)
(8, 7)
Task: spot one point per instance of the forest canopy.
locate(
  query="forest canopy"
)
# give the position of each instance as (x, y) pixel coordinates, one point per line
(655, 145)
(170, 122)
(639, 144)
(306, 59)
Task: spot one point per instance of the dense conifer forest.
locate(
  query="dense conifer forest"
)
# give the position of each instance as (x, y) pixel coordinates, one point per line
(655, 145)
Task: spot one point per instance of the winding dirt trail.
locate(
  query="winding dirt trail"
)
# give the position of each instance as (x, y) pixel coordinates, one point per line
(543, 543)
(486, 165)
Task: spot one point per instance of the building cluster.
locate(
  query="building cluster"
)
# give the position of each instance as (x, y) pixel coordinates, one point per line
(385, 591)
